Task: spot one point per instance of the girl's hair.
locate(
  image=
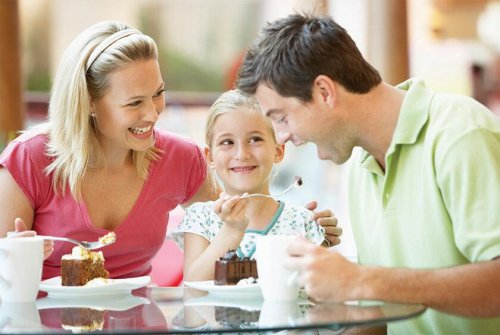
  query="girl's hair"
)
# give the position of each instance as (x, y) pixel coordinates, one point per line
(228, 102)
(83, 75)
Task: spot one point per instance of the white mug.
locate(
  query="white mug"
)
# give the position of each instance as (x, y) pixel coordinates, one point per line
(276, 282)
(279, 313)
(19, 317)
(21, 262)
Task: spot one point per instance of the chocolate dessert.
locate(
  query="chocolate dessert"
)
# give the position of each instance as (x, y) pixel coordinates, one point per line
(81, 266)
(230, 269)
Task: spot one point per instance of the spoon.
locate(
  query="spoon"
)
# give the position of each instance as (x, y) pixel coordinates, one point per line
(296, 184)
(103, 241)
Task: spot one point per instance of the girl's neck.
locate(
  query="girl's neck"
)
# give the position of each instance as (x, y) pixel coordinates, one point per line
(260, 212)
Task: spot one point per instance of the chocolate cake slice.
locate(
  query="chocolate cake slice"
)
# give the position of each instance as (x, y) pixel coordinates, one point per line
(230, 269)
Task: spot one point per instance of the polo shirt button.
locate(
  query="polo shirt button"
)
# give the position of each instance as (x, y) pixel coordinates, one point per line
(387, 195)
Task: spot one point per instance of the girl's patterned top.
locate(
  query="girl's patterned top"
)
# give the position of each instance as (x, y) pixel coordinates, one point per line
(201, 219)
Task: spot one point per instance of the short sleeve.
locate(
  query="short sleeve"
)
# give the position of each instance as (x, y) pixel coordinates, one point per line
(26, 170)
(197, 221)
(299, 220)
(469, 179)
(197, 174)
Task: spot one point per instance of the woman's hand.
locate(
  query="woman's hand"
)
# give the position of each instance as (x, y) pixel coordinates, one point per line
(21, 231)
(232, 211)
(326, 219)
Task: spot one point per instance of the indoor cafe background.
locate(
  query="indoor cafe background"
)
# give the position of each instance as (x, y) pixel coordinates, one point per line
(453, 45)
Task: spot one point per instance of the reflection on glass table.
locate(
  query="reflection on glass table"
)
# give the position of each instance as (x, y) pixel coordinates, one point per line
(202, 313)
(179, 310)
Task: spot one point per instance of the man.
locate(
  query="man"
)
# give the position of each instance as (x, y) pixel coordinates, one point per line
(424, 192)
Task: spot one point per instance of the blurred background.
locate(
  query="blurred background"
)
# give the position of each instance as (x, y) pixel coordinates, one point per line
(454, 45)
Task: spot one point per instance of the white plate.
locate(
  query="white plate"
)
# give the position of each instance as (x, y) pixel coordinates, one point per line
(112, 287)
(234, 290)
(121, 303)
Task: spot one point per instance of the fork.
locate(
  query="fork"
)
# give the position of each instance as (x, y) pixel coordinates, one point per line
(102, 242)
(296, 184)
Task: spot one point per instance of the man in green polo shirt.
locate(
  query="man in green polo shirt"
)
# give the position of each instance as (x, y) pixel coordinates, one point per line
(424, 191)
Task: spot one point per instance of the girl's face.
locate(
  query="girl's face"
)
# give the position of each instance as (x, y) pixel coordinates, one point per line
(127, 113)
(243, 151)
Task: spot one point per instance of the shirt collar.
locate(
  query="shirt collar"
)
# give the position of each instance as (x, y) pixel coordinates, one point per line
(412, 118)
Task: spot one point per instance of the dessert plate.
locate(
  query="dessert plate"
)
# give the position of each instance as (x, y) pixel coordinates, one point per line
(121, 303)
(238, 290)
(110, 287)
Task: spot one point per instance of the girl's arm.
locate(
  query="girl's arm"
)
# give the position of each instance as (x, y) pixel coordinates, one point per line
(200, 255)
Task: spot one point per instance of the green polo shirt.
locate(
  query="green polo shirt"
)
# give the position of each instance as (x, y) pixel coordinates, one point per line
(438, 203)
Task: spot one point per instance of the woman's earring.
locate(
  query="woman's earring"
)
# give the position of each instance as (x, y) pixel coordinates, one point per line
(92, 115)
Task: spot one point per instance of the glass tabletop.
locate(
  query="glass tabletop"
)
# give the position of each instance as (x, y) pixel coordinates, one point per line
(178, 310)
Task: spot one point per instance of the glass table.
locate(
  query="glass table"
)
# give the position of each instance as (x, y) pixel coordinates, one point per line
(156, 310)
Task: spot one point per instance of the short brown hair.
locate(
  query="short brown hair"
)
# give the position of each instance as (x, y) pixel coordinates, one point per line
(291, 52)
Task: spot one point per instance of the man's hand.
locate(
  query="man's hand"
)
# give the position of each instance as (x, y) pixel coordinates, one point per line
(326, 219)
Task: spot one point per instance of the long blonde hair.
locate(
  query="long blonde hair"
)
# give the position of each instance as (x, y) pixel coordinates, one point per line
(83, 75)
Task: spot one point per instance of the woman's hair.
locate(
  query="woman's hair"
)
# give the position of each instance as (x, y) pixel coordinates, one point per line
(83, 75)
(232, 101)
(292, 52)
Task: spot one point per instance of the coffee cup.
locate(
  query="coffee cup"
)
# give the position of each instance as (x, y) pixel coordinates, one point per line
(21, 261)
(276, 282)
(279, 313)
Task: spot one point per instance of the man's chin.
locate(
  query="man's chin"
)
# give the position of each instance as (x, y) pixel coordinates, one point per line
(337, 159)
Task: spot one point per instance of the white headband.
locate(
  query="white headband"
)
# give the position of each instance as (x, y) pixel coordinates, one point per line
(106, 43)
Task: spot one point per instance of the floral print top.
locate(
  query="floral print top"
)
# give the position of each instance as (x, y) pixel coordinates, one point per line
(201, 219)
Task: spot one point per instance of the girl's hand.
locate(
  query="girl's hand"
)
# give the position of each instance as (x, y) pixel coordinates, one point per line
(326, 218)
(20, 226)
(232, 211)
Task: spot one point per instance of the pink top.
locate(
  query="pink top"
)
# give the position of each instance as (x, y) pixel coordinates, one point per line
(173, 179)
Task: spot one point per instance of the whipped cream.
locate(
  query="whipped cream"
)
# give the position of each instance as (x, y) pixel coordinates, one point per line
(79, 253)
(246, 281)
(98, 282)
(108, 238)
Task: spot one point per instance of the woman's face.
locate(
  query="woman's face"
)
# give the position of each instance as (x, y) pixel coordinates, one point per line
(243, 151)
(128, 111)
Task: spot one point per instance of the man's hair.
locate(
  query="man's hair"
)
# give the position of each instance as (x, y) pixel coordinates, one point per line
(83, 75)
(291, 52)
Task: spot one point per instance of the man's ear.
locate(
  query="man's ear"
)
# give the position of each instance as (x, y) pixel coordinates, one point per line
(208, 156)
(324, 89)
(280, 153)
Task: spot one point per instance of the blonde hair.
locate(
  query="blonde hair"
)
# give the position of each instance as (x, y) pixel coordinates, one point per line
(71, 130)
(231, 101)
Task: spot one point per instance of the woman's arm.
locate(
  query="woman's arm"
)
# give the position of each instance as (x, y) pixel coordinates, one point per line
(13, 204)
(208, 191)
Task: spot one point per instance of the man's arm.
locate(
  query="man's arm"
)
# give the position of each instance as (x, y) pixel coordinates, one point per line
(467, 290)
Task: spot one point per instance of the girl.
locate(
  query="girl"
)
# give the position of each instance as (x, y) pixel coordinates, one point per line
(242, 149)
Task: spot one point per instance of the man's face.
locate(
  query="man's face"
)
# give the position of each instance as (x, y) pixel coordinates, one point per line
(299, 122)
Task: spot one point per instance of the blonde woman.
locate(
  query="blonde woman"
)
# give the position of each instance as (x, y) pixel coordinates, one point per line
(98, 165)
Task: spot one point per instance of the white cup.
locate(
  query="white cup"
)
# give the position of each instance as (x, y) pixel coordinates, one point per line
(276, 282)
(19, 317)
(21, 261)
(278, 313)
